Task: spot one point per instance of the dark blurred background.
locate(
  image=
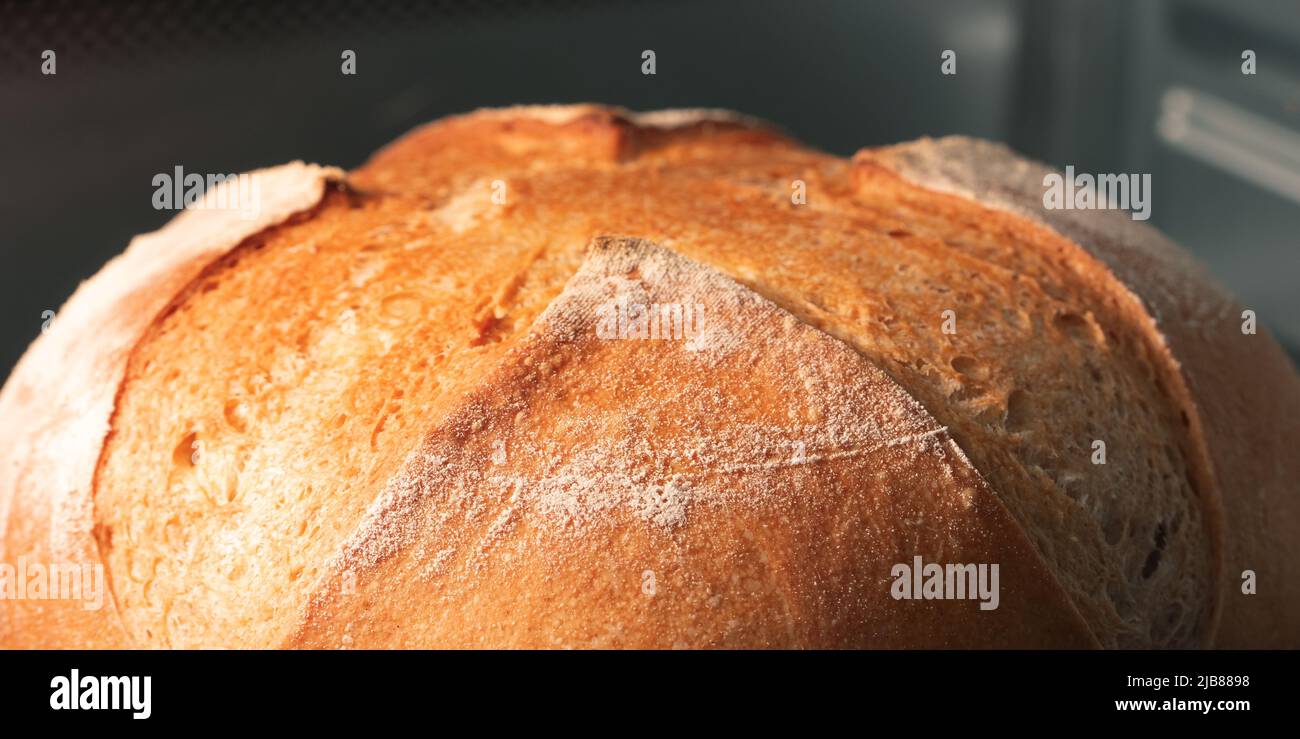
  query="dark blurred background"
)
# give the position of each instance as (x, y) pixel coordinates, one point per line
(1106, 85)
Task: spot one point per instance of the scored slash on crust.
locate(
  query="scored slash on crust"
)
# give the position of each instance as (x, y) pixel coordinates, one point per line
(668, 449)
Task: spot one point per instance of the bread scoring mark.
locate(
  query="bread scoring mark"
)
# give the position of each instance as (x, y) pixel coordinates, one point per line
(584, 484)
(571, 439)
(1125, 271)
(178, 259)
(79, 369)
(470, 161)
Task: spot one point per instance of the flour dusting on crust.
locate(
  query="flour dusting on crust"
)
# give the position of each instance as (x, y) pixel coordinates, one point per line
(574, 432)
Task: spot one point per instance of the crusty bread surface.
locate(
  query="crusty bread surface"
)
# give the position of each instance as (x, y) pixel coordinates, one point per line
(390, 412)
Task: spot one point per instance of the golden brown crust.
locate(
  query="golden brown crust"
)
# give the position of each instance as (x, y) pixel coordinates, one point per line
(1239, 391)
(608, 491)
(932, 453)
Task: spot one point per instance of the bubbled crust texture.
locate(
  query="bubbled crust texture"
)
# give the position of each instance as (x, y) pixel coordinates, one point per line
(401, 442)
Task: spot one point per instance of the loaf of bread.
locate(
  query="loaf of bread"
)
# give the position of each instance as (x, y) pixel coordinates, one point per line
(578, 377)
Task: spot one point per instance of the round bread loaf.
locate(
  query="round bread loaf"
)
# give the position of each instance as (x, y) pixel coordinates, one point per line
(574, 376)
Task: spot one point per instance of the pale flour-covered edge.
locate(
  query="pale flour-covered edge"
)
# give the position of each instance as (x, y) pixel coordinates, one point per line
(58, 402)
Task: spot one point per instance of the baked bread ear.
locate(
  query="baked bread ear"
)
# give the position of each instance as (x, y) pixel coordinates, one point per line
(57, 403)
(574, 376)
(1237, 391)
